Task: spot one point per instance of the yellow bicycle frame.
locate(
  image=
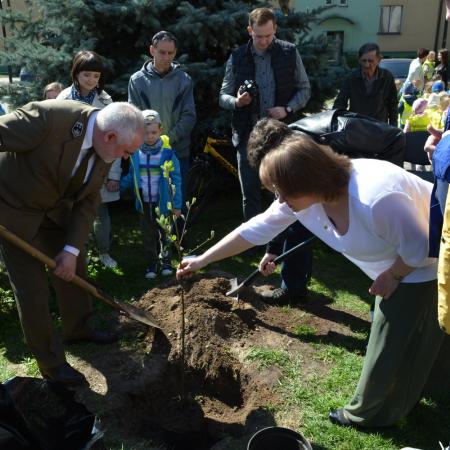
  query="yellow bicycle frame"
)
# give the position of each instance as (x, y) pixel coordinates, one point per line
(209, 148)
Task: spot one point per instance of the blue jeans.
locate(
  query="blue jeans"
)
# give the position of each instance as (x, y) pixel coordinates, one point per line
(250, 183)
(441, 193)
(296, 270)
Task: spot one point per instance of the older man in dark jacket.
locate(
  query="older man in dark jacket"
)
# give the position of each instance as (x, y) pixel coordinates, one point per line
(370, 90)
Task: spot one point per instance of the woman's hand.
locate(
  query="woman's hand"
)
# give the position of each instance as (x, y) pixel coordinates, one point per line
(266, 265)
(188, 266)
(384, 285)
(433, 140)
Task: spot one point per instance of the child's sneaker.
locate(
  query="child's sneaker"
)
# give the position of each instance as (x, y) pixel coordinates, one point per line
(107, 261)
(166, 270)
(151, 272)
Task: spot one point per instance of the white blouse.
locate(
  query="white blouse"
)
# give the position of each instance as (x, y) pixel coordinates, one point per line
(388, 217)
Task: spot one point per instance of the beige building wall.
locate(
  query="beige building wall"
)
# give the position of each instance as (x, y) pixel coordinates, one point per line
(418, 28)
(14, 4)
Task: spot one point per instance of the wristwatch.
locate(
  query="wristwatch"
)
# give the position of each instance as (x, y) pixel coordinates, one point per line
(288, 109)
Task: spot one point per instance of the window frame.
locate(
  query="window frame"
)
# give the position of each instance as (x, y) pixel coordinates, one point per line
(390, 8)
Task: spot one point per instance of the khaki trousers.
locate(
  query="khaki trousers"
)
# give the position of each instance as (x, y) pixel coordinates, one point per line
(29, 281)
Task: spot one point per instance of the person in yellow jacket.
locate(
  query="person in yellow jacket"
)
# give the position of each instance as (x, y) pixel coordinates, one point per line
(444, 273)
(429, 65)
(409, 96)
(419, 118)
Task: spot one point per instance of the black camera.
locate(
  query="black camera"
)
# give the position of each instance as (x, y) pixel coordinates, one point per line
(249, 86)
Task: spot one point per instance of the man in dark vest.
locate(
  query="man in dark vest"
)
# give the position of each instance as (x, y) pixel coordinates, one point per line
(282, 89)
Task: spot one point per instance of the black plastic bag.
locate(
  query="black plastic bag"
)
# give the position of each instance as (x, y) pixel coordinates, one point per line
(40, 415)
(355, 135)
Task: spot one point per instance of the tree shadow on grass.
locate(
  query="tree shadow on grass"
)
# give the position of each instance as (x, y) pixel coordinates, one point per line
(318, 305)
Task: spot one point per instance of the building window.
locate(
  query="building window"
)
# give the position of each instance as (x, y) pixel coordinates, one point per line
(343, 3)
(328, 2)
(390, 19)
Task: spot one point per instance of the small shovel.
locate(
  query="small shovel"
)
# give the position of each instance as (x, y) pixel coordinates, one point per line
(129, 310)
(235, 287)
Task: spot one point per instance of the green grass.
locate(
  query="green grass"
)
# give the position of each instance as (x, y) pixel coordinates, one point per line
(307, 395)
(304, 330)
(268, 357)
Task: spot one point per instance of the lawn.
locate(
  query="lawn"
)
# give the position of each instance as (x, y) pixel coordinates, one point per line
(306, 394)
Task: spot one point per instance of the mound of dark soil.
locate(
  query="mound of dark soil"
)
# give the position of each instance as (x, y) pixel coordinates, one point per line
(143, 388)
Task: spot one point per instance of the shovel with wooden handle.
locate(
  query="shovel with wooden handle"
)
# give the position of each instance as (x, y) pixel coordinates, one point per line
(129, 310)
(235, 287)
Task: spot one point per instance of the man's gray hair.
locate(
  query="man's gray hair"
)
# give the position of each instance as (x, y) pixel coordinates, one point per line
(123, 118)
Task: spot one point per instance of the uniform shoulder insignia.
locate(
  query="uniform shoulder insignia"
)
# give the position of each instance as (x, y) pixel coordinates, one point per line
(77, 129)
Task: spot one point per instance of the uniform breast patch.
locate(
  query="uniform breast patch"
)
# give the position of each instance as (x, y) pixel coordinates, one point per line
(77, 129)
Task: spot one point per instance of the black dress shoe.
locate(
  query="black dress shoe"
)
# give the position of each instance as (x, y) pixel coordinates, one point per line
(281, 296)
(337, 416)
(64, 374)
(94, 336)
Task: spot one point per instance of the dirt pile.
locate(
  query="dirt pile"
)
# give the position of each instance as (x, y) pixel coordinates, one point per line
(223, 394)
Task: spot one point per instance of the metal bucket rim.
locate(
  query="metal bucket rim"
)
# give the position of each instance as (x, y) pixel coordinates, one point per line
(282, 430)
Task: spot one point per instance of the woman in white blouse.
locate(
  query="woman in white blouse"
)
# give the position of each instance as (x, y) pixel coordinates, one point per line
(376, 215)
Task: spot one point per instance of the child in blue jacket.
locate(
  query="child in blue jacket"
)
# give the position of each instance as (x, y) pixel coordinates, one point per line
(152, 190)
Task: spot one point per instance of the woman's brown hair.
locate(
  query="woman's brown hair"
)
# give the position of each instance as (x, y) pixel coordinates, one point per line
(88, 61)
(300, 166)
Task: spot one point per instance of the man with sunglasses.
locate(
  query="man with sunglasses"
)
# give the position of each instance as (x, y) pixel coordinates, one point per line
(369, 90)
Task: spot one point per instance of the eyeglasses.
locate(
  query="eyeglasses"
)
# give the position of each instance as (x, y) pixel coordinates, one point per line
(370, 61)
(275, 192)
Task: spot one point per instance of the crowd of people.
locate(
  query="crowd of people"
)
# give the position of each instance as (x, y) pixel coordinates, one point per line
(67, 152)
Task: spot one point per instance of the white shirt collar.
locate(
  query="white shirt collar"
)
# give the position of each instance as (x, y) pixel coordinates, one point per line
(87, 141)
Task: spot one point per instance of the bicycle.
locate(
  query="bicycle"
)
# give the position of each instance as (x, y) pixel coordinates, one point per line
(212, 170)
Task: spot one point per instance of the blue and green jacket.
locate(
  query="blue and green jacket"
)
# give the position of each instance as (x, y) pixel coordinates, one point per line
(133, 179)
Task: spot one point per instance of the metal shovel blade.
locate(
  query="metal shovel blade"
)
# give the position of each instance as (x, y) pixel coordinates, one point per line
(141, 316)
(130, 311)
(235, 287)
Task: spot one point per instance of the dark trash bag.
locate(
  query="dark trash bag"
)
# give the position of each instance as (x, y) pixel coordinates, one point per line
(355, 135)
(39, 415)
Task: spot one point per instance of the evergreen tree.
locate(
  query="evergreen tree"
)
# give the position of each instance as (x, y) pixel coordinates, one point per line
(45, 38)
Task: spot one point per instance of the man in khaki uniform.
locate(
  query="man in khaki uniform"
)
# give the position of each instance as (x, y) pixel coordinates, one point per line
(54, 156)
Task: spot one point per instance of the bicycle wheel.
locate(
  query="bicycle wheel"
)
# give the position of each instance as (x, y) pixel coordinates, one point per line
(201, 186)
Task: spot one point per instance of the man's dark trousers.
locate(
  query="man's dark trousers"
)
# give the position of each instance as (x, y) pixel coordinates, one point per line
(296, 270)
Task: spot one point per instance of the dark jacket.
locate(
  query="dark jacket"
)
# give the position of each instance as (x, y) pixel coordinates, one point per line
(283, 56)
(441, 73)
(381, 103)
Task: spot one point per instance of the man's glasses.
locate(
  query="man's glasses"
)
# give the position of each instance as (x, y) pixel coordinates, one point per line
(275, 192)
(370, 61)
